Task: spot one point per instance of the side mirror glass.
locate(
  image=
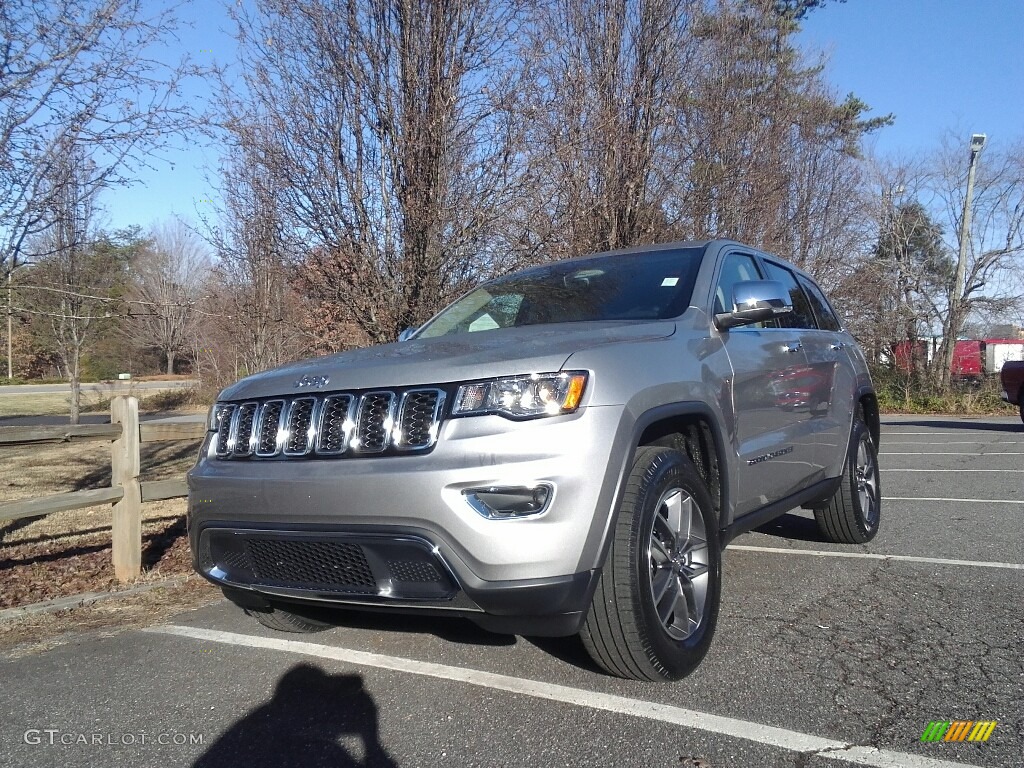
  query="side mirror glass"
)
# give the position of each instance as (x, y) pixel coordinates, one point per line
(754, 301)
(407, 334)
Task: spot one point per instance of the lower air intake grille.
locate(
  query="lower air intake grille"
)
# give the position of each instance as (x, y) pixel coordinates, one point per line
(325, 565)
(413, 571)
(331, 567)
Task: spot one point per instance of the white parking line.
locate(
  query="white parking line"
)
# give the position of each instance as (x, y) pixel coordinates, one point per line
(939, 498)
(959, 433)
(944, 442)
(951, 470)
(795, 741)
(949, 453)
(870, 556)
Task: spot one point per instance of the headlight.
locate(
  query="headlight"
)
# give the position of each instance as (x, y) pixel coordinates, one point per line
(539, 394)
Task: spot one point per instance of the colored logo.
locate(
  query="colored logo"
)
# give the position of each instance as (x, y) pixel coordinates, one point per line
(958, 730)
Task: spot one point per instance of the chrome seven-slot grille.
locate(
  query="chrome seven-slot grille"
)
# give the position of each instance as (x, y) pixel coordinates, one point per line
(331, 425)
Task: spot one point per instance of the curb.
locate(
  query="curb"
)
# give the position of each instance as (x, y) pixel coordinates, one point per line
(84, 599)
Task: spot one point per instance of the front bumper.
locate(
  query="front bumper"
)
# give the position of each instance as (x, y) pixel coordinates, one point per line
(407, 514)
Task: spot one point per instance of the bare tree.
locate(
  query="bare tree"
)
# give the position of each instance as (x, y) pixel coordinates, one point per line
(168, 280)
(82, 73)
(605, 75)
(382, 129)
(770, 155)
(996, 239)
(252, 322)
(71, 286)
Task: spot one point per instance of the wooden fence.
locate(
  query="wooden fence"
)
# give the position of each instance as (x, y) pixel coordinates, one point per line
(126, 493)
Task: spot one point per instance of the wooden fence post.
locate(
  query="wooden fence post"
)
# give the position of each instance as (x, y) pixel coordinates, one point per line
(127, 527)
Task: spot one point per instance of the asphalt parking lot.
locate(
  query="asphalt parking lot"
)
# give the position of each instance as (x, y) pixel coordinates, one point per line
(825, 655)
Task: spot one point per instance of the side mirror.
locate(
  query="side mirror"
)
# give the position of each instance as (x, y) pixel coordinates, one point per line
(754, 301)
(407, 334)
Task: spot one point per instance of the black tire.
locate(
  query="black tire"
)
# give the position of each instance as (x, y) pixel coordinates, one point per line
(624, 632)
(853, 514)
(287, 619)
(1020, 403)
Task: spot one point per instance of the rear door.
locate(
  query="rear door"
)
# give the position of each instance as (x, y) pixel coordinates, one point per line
(766, 360)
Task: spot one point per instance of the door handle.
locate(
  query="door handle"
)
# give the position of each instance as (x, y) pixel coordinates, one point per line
(791, 348)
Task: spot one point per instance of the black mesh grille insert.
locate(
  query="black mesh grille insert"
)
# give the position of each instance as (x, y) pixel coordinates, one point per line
(373, 429)
(243, 432)
(333, 430)
(223, 416)
(270, 423)
(324, 565)
(300, 416)
(417, 419)
(236, 560)
(413, 572)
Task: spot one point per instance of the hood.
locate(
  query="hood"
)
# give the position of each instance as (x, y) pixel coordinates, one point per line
(459, 357)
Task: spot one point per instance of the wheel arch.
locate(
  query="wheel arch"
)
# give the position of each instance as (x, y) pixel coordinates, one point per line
(868, 402)
(659, 424)
(692, 430)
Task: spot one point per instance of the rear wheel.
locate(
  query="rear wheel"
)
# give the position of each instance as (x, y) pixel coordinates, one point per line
(853, 514)
(656, 604)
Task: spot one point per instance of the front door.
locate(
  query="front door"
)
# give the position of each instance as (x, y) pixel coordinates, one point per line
(768, 365)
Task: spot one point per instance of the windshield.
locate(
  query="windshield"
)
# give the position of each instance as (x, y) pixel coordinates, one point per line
(641, 286)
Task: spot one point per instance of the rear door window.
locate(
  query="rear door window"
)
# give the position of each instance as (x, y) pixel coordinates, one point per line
(827, 319)
(802, 316)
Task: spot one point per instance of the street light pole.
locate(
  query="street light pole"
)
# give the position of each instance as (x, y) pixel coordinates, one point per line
(956, 318)
(10, 312)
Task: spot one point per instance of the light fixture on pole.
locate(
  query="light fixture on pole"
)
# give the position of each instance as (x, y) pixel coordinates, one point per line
(956, 297)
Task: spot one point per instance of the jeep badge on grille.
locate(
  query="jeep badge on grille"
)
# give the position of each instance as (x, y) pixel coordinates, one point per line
(316, 382)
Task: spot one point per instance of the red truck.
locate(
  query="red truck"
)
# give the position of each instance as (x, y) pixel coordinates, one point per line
(1012, 378)
(973, 359)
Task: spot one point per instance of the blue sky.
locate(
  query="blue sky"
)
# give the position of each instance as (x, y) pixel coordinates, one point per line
(938, 65)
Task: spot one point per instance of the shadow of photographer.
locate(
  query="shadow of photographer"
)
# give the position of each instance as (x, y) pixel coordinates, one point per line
(314, 719)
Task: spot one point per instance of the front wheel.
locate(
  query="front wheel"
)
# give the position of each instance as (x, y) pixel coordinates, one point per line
(291, 619)
(656, 604)
(853, 514)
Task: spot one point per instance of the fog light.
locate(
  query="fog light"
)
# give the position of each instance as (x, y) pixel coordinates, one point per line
(503, 502)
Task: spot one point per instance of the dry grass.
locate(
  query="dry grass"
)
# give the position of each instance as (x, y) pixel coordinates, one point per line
(41, 470)
(68, 553)
(53, 404)
(33, 634)
(98, 400)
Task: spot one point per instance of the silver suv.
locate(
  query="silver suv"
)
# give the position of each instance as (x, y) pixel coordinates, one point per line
(564, 450)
